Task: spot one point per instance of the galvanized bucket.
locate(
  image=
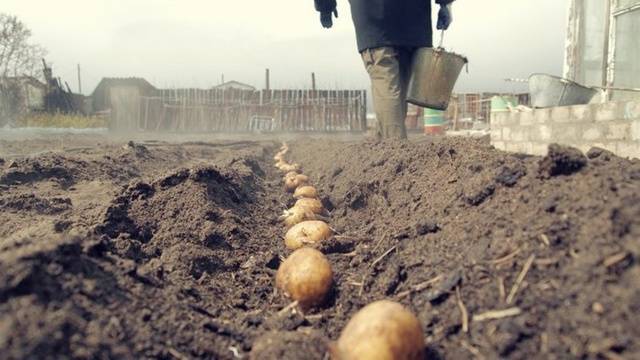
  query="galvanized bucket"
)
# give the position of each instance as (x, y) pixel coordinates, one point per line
(434, 75)
(550, 91)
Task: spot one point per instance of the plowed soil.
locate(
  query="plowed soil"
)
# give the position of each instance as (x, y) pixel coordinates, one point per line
(165, 250)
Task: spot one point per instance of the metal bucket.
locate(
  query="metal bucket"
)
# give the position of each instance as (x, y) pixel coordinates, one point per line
(550, 91)
(434, 74)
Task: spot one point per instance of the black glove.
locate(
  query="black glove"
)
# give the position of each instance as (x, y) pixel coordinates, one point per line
(326, 18)
(444, 17)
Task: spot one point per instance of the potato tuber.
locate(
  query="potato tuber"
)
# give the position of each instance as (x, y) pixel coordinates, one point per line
(290, 175)
(290, 167)
(292, 183)
(306, 277)
(307, 233)
(296, 215)
(306, 192)
(383, 330)
(314, 205)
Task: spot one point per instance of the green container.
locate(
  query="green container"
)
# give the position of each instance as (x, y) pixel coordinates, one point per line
(434, 122)
(503, 103)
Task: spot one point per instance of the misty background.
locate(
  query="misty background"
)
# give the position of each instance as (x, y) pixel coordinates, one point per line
(192, 43)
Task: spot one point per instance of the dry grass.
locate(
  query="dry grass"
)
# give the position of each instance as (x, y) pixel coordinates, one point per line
(63, 121)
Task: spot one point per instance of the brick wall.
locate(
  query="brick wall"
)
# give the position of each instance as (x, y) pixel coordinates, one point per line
(614, 126)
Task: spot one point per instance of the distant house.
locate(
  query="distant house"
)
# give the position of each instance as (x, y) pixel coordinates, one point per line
(19, 96)
(121, 97)
(236, 85)
(34, 91)
(31, 90)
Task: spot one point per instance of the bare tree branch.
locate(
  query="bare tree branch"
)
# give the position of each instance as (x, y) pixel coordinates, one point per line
(18, 55)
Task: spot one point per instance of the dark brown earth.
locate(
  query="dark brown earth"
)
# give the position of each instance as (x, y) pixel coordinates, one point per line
(162, 250)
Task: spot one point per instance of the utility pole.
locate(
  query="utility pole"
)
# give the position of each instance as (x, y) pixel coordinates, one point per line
(313, 81)
(267, 80)
(79, 81)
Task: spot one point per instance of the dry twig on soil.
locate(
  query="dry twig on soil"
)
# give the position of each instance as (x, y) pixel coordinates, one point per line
(419, 287)
(235, 351)
(520, 279)
(348, 237)
(351, 254)
(497, 314)
(614, 259)
(505, 258)
(472, 349)
(545, 240)
(373, 264)
(176, 354)
(544, 343)
(288, 308)
(546, 262)
(463, 311)
(501, 290)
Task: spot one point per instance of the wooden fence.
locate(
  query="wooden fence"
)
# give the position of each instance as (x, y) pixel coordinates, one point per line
(233, 110)
(466, 108)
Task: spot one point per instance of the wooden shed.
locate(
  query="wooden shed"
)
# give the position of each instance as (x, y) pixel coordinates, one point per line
(121, 97)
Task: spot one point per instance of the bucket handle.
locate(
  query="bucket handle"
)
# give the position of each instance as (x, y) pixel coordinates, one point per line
(442, 47)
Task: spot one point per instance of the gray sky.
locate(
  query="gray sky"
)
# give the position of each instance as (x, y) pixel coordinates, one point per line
(192, 42)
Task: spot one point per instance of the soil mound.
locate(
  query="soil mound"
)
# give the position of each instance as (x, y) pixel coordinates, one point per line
(551, 259)
(33, 203)
(176, 255)
(190, 220)
(170, 269)
(49, 167)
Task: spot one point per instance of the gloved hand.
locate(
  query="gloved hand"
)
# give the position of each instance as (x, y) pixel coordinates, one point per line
(445, 17)
(326, 18)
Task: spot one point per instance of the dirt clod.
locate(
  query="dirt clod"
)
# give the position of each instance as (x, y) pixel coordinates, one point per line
(599, 153)
(424, 227)
(561, 160)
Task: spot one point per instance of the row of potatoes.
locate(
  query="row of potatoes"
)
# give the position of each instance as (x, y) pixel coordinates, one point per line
(383, 330)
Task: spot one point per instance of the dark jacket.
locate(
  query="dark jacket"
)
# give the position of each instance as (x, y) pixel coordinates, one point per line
(379, 23)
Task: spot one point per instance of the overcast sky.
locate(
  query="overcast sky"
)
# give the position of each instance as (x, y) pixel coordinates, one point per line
(193, 42)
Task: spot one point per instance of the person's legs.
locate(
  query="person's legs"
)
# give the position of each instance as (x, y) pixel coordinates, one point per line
(388, 90)
(405, 59)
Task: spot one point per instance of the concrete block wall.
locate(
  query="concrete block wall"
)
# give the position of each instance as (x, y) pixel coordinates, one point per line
(614, 126)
